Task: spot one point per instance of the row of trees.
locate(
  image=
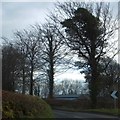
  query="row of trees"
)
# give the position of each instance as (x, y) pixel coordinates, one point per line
(81, 28)
(64, 87)
(15, 74)
(39, 49)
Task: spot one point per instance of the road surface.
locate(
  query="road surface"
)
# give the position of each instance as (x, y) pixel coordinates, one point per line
(82, 115)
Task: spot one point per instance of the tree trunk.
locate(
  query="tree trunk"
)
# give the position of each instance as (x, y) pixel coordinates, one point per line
(38, 90)
(51, 68)
(51, 81)
(93, 84)
(23, 87)
(31, 79)
(94, 75)
(93, 90)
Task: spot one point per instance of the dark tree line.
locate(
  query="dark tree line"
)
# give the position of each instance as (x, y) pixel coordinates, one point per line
(40, 49)
(29, 45)
(84, 28)
(14, 70)
(10, 62)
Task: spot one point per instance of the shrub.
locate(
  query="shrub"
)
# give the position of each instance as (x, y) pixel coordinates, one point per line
(24, 106)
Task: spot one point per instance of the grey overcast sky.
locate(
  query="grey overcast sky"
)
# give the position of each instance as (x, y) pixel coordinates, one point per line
(19, 15)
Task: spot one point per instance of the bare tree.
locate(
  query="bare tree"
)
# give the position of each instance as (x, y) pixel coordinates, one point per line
(66, 87)
(29, 44)
(53, 51)
(88, 27)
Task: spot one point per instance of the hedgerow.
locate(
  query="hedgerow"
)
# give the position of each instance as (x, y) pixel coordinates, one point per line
(24, 106)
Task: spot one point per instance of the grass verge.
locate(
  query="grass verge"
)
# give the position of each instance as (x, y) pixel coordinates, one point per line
(115, 112)
(105, 111)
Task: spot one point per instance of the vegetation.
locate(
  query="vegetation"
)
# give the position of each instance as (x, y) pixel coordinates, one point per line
(105, 111)
(28, 43)
(52, 47)
(66, 87)
(10, 65)
(86, 33)
(24, 106)
(76, 28)
(68, 104)
(83, 106)
(83, 103)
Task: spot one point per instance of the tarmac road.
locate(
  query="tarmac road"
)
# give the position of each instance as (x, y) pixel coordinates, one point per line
(83, 115)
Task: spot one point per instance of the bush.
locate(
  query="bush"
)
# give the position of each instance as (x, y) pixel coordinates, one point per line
(24, 106)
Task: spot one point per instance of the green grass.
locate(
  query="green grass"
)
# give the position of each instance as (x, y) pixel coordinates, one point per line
(105, 111)
(24, 106)
(115, 112)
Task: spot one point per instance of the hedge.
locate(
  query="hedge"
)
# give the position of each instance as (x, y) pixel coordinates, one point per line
(16, 105)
